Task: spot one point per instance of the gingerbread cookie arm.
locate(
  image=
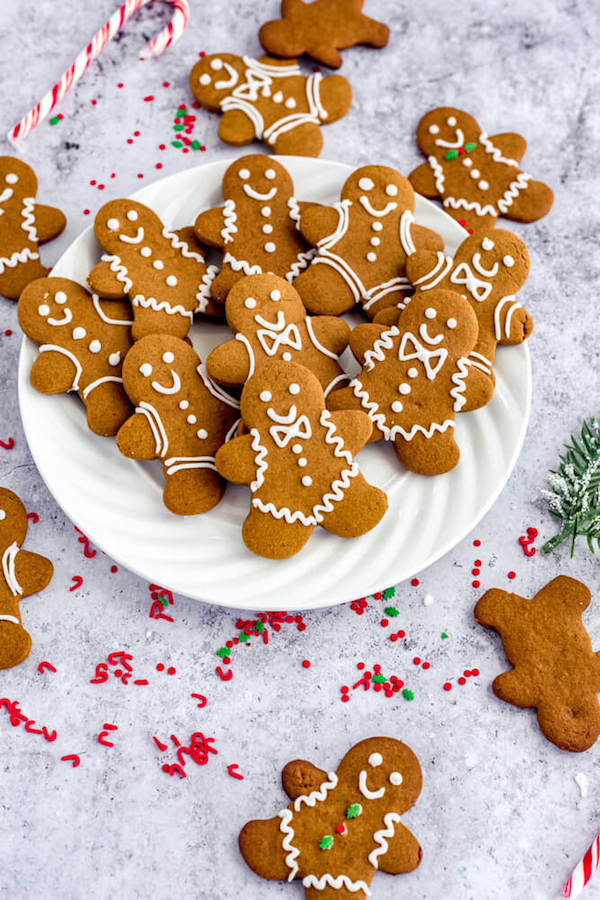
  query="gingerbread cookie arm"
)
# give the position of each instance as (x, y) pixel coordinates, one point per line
(33, 572)
(105, 281)
(354, 427)
(491, 609)
(235, 461)
(135, 438)
(53, 373)
(300, 778)
(49, 222)
(317, 221)
(423, 181)
(403, 854)
(260, 844)
(236, 128)
(426, 238)
(511, 145)
(515, 687)
(363, 337)
(229, 363)
(576, 594)
(372, 32)
(331, 332)
(209, 227)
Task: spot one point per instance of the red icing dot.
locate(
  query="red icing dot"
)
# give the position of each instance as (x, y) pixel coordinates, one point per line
(93, 182)
(477, 562)
(475, 571)
(377, 596)
(401, 633)
(162, 146)
(340, 829)
(467, 673)
(120, 84)
(476, 584)
(477, 543)
(415, 582)
(345, 689)
(417, 661)
(475, 672)
(462, 680)
(393, 637)
(447, 686)
(160, 667)
(306, 663)
(86, 212)
(301, 627)
(114, 569)
(512, 575)
(172, 670)
(140, 175)
(426, 665)
(344, 698)
(385, 623)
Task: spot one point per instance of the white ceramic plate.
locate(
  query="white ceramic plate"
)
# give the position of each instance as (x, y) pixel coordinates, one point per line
(117, 502)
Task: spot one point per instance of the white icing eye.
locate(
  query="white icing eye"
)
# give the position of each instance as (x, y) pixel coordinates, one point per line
(275, 295)
(132, 215)
(270, 247)
(191, 420)
(290, 103)
(451, 323)
(278, 97)
(294, 389)
(95, 346)
(171, 280)
(60, 297)
(508, 261)
(266, 211)
(377, 226)
(158, 264)
(44, 309)
(375, 759)
(286, 356)
(365, 184)
(434, 129)
(270, 174)
(11, 178)
(395, 778)
(451, 121)
(404, 388)
(168, 357)
(297, 448)
(249, 302)
(244, 174)
(216, 64)
(265, 396)
(183, 404)
(302, 462)
(146, 370)
(205, 79)
(397, 406)
(79, 333)
(487, 244)
(267, 229)
(146, 251)
(113, 224)
(412, 372)
(482, 185)
(2, 515)
(114, 359)
(371, 256)
(391, 190)
(430, 313)
(306, 480)
(202, 433)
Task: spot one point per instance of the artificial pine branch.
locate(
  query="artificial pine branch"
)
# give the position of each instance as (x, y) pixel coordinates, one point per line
(575, 494)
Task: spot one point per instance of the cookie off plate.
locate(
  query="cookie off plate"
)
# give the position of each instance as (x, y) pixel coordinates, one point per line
(117, 502)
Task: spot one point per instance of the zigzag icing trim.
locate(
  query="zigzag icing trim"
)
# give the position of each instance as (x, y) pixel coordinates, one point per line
(241, 265)
(495, 152)
(338, 882)
(260, 460)
(438, 174)
(229, 218)
(292, 852)
(8, 567)
(19, 256)
(203, 294)
(119, 269)
(178, 244)
(318, 795)
(379, 419)
(380, 837)
(28, 215)
(512, 192)
(458, 379)
(479, 210)
(163, 306)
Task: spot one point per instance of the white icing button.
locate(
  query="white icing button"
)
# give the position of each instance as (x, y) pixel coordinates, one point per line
(290, 103)
(267, 229)
(451, 121)
(146, 369)
(451, 323)
(275, 295)
(114, 359)
(482, 185)
(205, 79)
(60, 297)
(467, 162)
(434, 129)
(297, 448)
(375, 242)
(132, 215)
(158, 264)
(371, 256)
(43, 309)
(202, 433)
(146, 251)
(412, 372)
(168, 357)
(183, 404)
(404, 388)
(302, 462)
(377, 226)
(278, 97)
(2, 515)
(395, 778)
(430, 313)
(397, 406)
(294, 389)
(487, 244)
(191, 420)
(216, 64)
(244, 174)
(375, 759)
(306, 480)
(286, 357)
(270, 247)
(265, 396)
(270, 174)
(79, 333)
(95, 347)
(391, 190)
(113, 224)
(266, 211)
(365, 184)
(11, 178)
(508, 261)
(474, 173)
(171, 280)
(249, 302)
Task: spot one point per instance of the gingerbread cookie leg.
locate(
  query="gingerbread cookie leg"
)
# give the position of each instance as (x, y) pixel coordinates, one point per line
(189, 492)
(305, 140)
(32, 573)
(428, 455)
(362, 509)
(577, 721)
(324, 291)
(107, 408)
(14, 279)
(274, 538)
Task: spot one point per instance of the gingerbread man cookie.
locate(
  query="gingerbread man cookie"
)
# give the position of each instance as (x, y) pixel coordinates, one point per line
(24, 224)
(321, 29)
(413, 379)
(362, 244)
(477, 177)
(488, 269)
(269, 322)
(298, 461)
(162, 272)
(343, 826)
(257, 227)
(269, 100)
(82, 341)
(23, 574)
(180, 418)
(554, 669)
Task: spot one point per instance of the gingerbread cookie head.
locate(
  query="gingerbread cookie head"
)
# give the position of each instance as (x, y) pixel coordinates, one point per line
(491, 265)
(18, 181)
(283, 400)
(263, 302)
(214, 77)
(446, 129)
(255, 181)
(380, 192)
(386, 772)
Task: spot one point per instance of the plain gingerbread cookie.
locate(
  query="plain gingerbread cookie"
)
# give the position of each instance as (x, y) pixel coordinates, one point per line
(269, 100)
(24, 224)
(477, 177)
(343, 826)
(23, 574)
(298, 461)
(321, 29)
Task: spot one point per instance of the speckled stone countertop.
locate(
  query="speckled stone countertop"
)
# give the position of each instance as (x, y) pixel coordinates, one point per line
(501, 816)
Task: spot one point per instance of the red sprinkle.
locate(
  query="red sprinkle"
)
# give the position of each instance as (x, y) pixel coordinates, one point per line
(360, 665)
(136, 134)
(447, 686)
(72, 758)
(171, 670)
(8, 332)
(475, 672)
(477, 562)
(393, 638)
(160, 744)
(512, 575)
(158, 166)
(475, 571)
(140, 175)
(114, 569)
(462, 680)
(234, 774)
(166, 84)
(306, 663)
(33, 515)
(426, 665)
(345, 689)
(45, 665)
(415, 582)
(120, 84)
(77, 582)
(94, 102)
(467, 673)
(93, 182)
(222, 675)
(86, 212)
(477, 543)
(385, 623)
(162, 146)
(149, 98)
(160, 667)
(401, 633)
(417, 661)
(476, 584)
(345, 698)
(201, 698)
(7, 445)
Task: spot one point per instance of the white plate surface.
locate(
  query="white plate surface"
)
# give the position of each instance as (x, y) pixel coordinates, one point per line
(117, 502)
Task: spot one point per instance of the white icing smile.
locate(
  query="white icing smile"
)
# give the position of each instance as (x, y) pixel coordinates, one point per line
(276, 326)
(425, 336)
(250, 192)
(290, 416)
(379, 213)
(65, 319)
(174, 389)
(233, 77)
(452, 145)
(133, 240)
(487, 273)
(364, 788)
(6, 195)
(7, 618)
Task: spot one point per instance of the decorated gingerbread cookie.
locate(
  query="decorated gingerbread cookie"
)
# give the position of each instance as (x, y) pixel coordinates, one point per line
(24, 224)
(343, 826)
(413, 379)
(257, 227)
(162, 272)
(83, 342)
(298, 461)
(488, 269)
(269, 322)
(180, 418)
(269, 100)
(477, 177)
(321, 29)
(23, 574)
(362, 244)
(554, 668)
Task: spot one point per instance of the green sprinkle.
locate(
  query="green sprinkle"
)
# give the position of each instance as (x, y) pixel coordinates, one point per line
(243, 637)
(177, 144)
(223, 651)
(408, 695)
(163, 600)
(451, 154)
(389, 593)
(178, 127)
(353, 811)
(379, 679)
(195, 145)
(444, 635)
(259, 626)
(469, 147)
(391, 611)
(55, 120)
(182, 111)
(326, 843)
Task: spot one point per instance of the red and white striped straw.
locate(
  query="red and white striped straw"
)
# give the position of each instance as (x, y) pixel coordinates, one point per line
(583, 871)
(167, 36)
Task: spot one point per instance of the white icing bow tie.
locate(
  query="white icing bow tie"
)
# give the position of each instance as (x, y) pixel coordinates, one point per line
(272, 339)
(257, 83)
(479, 289)
(282, 434)
(433, 360)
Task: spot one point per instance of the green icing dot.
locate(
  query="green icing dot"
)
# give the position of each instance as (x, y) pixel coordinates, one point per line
(326, 843)
(407, 694)
(444, 635)
(243, 637)
(54, 120)
(178, 127)
(195, 145)
(177, 144)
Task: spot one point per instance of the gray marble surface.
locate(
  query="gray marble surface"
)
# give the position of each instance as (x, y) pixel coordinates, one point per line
(501, 816)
